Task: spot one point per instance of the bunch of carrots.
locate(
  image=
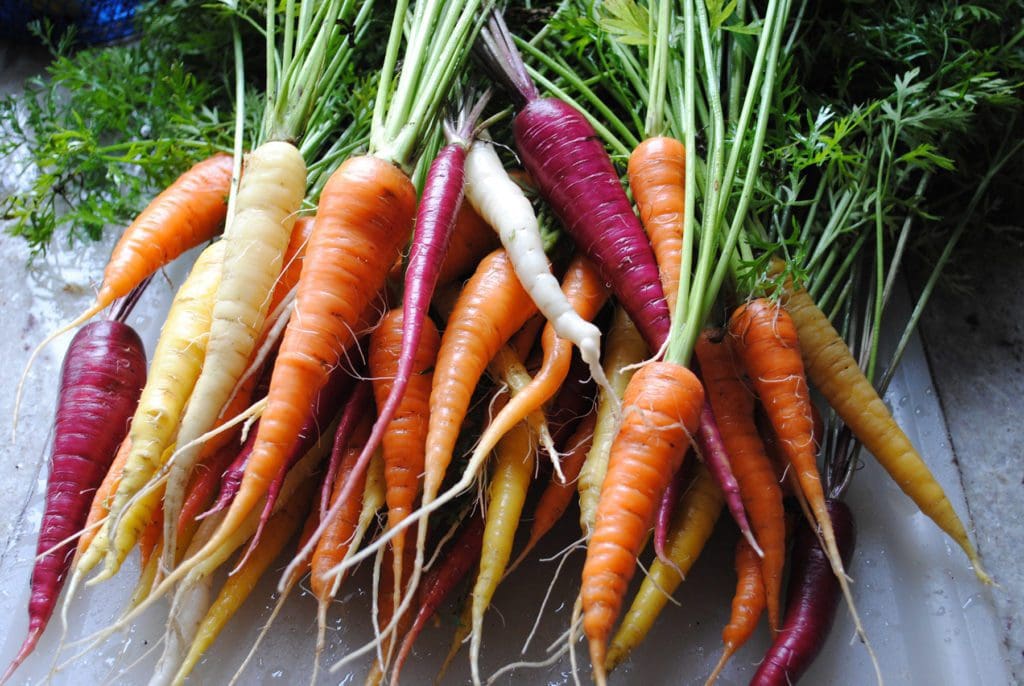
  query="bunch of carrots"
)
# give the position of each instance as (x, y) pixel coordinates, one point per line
(362, 349)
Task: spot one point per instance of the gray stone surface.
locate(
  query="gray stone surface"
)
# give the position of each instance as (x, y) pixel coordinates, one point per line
(975, 344)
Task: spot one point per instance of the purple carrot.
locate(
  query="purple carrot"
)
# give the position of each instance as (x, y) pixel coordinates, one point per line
(814, 595)
(231, 481)
(339, 385)
(102, 377)
(669, 500)
(712, 450)
(572, 170)
(440, 581)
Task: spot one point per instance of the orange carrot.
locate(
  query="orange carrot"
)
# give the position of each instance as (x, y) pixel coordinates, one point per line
(657, 177)
(747, 604)
(661, 411)
(365, 214)
(404, 444)
(150, 536)
(733, 406)
(765, 339)
(471, 239)
(294, 256)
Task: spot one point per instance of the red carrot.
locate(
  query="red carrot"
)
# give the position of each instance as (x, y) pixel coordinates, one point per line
(103, 374)
(814, 595)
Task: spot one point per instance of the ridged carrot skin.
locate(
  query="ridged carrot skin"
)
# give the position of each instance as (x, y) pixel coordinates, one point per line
(564, 154)
(404, 443)
(691, 528)
(269, 196)
(101, 379)
(835, 373)
(657, 177)
(188, 213)
(661, 411)
(733, 405)
(813, 598)
(365, 215)
(748, 603)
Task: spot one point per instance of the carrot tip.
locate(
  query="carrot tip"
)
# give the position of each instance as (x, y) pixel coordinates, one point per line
(26, 649)
(598, 654)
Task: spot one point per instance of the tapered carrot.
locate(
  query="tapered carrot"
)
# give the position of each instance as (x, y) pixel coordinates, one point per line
(365, 214)
(657, 177)
(625, 348)
(835, 373)
(404, 444)
(733, 406)
(747, 605)
(513, 471)
(661, 411)
(691, 528)
(187, 213)
(766, 341)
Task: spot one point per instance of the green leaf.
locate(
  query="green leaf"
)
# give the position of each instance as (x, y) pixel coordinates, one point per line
(626, 21)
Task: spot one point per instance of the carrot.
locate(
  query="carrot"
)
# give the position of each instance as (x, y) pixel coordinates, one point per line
(102, 376)
(691, 528)
(101, 498)
(573, 172)
(504, 205)
(404, 444)
(472, 238)
(440, 581)
(657, 177)
(353, 413)
(365, 214)
(490, 308)
(733, 406)
(747, 605)
(269, 195)
(766, 341)
(510, 481)
(661, 410)
(667, 507)
(835, 373)
(187, 213)
(387, 603)
(294, 257)
(201, 492)
(173, 371)
(814, 594)
(558, 494)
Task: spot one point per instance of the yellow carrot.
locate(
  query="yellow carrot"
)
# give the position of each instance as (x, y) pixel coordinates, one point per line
(510, 481)
(691, 527)
(239, 585)
(835, 373)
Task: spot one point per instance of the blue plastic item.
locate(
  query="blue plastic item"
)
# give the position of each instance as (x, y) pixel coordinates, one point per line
(95, 21)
